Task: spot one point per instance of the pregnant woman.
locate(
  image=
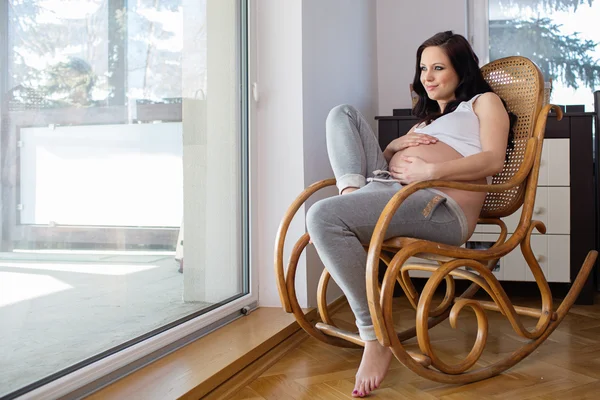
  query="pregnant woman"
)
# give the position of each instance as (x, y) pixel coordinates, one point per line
(462, 136)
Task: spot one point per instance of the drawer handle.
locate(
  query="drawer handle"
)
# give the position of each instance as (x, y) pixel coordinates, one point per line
(538, 210)
(540, 258)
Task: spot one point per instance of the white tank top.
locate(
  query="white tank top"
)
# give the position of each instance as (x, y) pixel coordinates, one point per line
(458, 129)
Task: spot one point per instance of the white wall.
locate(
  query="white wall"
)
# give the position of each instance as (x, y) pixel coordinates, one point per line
(339, 59)
(279, 129)
(312, 55)
(401, 28)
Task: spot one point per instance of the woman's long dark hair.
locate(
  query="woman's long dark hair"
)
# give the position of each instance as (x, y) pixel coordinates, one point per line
(470, 79)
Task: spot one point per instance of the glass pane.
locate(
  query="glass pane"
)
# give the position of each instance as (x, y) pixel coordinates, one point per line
(121, 125)
(559, 36)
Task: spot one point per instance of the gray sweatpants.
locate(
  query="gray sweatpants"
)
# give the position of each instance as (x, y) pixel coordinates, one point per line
(339, 225)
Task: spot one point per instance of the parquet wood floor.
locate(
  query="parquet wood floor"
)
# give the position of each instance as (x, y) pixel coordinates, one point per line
(566, 366)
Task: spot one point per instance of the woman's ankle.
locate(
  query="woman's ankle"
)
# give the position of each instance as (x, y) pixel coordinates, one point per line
(375, 344)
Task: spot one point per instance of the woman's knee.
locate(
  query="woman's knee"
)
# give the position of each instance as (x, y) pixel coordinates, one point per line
(314, 219)
(320, 216)
(340, 111)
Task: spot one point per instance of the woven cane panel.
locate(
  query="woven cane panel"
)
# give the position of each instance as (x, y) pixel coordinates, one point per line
(518, 82)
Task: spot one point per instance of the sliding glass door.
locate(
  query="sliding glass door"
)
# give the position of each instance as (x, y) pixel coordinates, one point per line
(124, 176)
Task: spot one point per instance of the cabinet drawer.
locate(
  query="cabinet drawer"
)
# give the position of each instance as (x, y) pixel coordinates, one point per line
(555, 162)
(552, 207)
(551, 251)
(559, 258)
(516, 268)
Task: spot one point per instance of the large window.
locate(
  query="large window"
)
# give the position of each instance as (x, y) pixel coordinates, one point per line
(123, 126)
(560, 36)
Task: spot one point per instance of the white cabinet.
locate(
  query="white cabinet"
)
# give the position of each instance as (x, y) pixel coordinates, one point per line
(552, 205)
(554, 165)
(559, 251)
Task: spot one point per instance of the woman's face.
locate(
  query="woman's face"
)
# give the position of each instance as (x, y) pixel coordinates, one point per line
(438, 76)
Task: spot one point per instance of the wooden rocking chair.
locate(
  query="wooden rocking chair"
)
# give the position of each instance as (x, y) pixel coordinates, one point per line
(520, 83)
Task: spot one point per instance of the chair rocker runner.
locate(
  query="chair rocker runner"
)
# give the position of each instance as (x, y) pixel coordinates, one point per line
(519, 82)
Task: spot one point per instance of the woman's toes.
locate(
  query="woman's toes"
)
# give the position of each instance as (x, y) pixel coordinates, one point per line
(372, 385)
(363, 390)
(359, 390)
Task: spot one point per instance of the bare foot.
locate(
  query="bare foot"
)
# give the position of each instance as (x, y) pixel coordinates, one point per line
(349, 189)
(373, 368)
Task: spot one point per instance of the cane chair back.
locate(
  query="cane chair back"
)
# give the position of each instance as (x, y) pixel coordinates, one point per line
(519, 82)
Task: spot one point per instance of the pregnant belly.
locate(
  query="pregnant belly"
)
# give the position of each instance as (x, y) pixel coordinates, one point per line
(432, 153)
(470, 202)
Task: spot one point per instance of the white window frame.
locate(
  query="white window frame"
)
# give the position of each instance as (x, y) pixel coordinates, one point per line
(478, 28)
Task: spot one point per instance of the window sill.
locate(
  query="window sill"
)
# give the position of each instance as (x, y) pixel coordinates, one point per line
(196, 369)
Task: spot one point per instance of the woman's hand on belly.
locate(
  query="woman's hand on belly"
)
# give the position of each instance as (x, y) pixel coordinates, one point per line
(411, 139)
(412, 169)
(470, 202)
(416, 164)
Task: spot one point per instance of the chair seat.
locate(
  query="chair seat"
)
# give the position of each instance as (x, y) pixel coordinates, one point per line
(396, 243)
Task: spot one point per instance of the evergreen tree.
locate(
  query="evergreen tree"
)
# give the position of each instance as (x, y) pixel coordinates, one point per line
(546, 5)
(56, 61)
(559, 56)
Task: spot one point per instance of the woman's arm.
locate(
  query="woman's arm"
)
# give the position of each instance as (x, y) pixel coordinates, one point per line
(470, 168)
(493, 127)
